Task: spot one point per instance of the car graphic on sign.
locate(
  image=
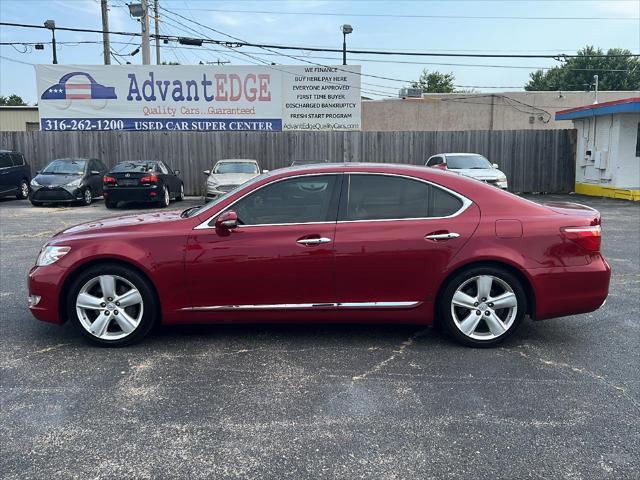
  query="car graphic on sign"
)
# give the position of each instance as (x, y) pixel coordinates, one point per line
(78, 86)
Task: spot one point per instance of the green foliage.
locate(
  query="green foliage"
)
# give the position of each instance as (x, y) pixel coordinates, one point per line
(11, 101)
(577, 72)
(435, 82)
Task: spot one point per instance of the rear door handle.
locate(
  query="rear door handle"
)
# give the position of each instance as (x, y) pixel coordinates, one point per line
(313, 241)
(442, 236)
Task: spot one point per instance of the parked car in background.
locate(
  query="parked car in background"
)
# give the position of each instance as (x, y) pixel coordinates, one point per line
(229, 174)
(470, 165)
(15, 174)
(335, 242)
(297, 163)
(148, 181)
(68, 180)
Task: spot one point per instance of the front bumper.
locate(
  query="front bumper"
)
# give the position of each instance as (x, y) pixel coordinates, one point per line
(45, 282)
(214, 191)
(132, 194)
(562, 291)
(56, 194)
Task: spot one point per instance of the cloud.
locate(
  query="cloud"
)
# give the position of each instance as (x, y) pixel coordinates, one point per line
(620, 7)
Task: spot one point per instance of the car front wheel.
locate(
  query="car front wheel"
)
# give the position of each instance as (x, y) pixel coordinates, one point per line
(482, 306)
(23, 190)
(112, 305)
(87, 196)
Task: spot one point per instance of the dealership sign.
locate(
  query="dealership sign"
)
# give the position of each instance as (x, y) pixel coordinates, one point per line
(198, 97)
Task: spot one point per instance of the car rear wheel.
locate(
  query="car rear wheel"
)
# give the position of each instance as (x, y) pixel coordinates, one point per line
(165, 197)
(180, 197)
(482, 306)
(23, 190)
(112, 305)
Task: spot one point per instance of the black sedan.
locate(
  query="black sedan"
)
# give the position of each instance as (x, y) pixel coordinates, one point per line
(68, 180)
(147, 181)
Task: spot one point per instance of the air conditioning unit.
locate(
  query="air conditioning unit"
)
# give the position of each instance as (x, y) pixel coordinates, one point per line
(410, 93)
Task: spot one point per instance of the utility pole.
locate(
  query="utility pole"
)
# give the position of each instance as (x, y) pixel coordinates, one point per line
(156, 19)
(51, 25)
(106, 49)
(595, 79)
(144, 21)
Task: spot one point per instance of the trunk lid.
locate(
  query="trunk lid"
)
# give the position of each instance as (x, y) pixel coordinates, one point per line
(575, 210)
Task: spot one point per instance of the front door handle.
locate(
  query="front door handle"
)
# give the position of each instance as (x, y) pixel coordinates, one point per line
(313, 241)
(442, 236)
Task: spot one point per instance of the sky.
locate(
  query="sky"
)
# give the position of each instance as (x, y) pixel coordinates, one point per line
(379, 25)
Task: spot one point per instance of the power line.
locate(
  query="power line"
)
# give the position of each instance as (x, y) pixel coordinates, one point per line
(394, 15)
(240, 43)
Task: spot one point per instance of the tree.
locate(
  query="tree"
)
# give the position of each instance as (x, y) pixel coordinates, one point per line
(11, 101)
(435, 82)
(614, 73)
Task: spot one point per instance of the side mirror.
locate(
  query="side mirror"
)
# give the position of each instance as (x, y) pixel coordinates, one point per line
(227, 220)
(495, 165)
(207, 172)
(177, 172)
(95, 172)
(265, 171)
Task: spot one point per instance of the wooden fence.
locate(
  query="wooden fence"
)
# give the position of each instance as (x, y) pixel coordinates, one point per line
(533, 160)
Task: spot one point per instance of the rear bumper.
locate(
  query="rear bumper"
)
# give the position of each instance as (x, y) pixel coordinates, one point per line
(45, 282)
(132, 194)
(562, 291)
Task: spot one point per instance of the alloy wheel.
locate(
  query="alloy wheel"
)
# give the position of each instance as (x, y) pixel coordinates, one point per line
(88, 198)
(109, 307)
(484, 307)
(24, 189)
(167, 198)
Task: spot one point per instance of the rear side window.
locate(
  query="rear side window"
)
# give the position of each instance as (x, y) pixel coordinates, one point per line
(5, 160)
(383, 197)
(18, 159)
(297, 200)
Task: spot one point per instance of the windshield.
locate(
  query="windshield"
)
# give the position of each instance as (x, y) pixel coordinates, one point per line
(467, 161)
(134, 167)
(65, 167)
(197, 211)
(235, 167)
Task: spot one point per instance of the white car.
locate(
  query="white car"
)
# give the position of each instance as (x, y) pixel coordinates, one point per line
(470, 165)
(229, 174)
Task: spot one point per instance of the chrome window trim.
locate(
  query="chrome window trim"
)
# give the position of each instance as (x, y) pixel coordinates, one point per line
(304, 306)
(466, 203)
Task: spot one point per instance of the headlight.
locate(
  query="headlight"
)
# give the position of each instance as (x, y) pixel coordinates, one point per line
(51, 254)
(503, 178)
(34, 183)
(75, 183)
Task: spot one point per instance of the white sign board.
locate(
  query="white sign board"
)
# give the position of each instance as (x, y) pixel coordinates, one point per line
(198, 97)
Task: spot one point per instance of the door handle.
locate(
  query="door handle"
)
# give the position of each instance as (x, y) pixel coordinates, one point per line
(442, 236)
(313, 241)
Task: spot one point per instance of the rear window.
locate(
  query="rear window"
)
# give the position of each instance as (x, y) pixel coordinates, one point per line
(142, 167)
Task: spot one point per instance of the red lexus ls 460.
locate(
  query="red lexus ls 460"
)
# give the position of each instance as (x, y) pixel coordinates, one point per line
(329, 243)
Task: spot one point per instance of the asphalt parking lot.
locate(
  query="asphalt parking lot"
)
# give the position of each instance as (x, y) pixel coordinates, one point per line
(561, 399)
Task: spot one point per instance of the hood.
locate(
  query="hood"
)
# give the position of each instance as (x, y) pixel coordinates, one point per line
(122, 223)
(479, 173)
(47, 180)
(231, 178)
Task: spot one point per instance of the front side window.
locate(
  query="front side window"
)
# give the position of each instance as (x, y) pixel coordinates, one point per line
(297, 200)
(434, 161)
(383, 197)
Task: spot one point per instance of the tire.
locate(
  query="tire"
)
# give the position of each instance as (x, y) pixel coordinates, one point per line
(180, 197)
(109, 323)
(165, 198)
(473, 319)
(23, 190)
(87, 197)
(35, 203)
(110, 205)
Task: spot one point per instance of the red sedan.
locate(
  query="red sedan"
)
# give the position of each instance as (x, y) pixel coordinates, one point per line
(339, 243)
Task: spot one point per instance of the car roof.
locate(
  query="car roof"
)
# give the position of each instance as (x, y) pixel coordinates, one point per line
(460, 154)
(69, 159)
(353, 167)
(138, 161)
(237, 160)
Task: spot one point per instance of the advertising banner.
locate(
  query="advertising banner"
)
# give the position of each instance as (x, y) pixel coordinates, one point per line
(198, 97)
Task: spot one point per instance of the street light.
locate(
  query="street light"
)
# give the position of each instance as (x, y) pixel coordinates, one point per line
(139, 10)
(346, 30)
(51, 25)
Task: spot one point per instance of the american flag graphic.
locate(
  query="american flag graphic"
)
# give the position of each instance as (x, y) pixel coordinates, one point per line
(79, 90)
(78, 86)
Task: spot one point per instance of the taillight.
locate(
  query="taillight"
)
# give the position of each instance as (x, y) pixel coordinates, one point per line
(108, 179)
(149, 179)
(587, 237)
